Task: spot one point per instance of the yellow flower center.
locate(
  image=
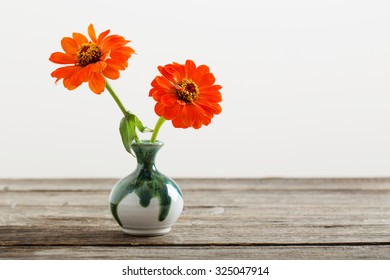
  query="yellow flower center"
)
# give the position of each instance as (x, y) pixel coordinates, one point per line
(88, 53)
(187, 91)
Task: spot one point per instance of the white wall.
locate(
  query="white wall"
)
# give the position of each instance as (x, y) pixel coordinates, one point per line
(306, 88)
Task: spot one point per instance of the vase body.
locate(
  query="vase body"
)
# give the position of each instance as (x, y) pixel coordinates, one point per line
(146, 202)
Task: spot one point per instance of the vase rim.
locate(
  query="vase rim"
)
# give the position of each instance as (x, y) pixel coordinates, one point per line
(148, 143)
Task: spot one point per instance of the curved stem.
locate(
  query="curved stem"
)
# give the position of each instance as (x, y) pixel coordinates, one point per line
(116, 98)
(156, 129)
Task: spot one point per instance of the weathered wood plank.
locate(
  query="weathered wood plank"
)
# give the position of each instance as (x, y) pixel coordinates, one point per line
(98, 215)
(56, 184)
(94, 225)
(285, 215)
(227, 197)
(197, 234)
(371, 252)
(200, 184)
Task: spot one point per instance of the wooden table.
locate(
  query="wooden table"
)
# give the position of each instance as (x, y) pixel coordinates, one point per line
(268, 218)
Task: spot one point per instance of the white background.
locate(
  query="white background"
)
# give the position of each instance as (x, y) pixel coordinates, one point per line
(306, 88)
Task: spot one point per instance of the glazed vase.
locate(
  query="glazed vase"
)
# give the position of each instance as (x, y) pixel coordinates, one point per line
(146, 202)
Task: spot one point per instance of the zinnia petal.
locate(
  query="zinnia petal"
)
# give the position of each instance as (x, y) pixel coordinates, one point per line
(91, 33)
(171, 111)
(98, 66)
(62, 58)
(170, 74)
(178, 121)
(71, 83)
(117, 65)
(80, 38)
(180, 68)
(189, 68)
(102, 36)
(168, 99)
(199, 117)
(187, 115)
(210, 96)
(84, 75)
(122, 53)
(157, 94)
(111, 73)
(197, 121)
(112, 42)
(211, 88)
(97, 83)
(212, 108)
(159, 109)
(65, 72)
(163, 82)
(200, 71)
(69, 45)
(206, 80)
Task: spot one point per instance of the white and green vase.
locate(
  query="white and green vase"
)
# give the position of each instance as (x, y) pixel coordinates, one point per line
(146, 202)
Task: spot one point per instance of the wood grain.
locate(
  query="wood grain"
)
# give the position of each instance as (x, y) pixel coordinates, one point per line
(270, 218)
(294, 252)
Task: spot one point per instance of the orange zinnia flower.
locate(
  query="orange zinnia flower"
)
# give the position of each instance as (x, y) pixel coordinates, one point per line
(186, 94)
(91, 60)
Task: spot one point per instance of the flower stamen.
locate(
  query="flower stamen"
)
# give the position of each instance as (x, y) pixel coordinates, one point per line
(187, 91)
(88, 53)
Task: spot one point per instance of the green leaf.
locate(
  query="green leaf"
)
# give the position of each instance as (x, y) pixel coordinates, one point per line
(127, 128)
(127, 131)
(140, 126)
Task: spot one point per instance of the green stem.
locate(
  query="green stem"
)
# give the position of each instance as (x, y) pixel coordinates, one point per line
(116, 98)
(121, 106)
(156, 129)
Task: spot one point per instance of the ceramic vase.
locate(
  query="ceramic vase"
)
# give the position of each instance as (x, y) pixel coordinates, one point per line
(146, 202)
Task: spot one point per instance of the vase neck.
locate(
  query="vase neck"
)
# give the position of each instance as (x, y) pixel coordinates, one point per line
(146, 153)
